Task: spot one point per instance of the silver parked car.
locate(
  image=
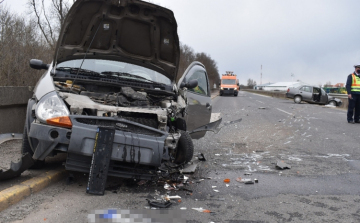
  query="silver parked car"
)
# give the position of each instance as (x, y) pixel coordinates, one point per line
(109, 99)
(312, 94)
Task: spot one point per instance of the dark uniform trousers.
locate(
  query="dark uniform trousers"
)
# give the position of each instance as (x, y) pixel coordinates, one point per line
(354, 103)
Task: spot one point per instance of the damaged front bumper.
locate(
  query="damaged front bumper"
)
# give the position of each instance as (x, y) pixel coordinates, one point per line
(137, 150)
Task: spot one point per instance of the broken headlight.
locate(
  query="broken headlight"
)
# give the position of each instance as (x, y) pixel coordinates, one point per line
(52, 110)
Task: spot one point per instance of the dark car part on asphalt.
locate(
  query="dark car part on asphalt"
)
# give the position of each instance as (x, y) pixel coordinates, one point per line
(282, 165)
(158, 204)
(70, 179)
(249, 182)
(201, 157)
(17, 168)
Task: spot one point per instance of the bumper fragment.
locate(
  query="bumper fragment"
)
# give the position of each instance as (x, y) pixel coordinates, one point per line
(17, 168)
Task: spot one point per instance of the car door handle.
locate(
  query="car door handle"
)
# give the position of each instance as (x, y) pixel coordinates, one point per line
(208, 106)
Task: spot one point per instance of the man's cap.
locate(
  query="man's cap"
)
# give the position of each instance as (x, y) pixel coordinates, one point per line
(357, 65)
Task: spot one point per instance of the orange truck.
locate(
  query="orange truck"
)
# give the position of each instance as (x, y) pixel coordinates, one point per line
(229, 84)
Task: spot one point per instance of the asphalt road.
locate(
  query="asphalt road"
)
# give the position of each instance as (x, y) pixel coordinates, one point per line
(316, 141)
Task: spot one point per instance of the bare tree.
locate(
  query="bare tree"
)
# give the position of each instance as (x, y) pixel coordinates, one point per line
(187, 56)
(19, 42)
(251, 83)
(328, 84)
(49, 20)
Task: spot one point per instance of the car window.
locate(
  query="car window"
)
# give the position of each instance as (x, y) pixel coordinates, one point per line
(306, 88)
(202, 87)
(228, 81)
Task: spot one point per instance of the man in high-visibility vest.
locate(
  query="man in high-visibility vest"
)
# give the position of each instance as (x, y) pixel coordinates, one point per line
(353, 90)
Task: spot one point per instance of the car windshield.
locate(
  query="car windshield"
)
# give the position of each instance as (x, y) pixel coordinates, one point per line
(110, 66)
(228, 81)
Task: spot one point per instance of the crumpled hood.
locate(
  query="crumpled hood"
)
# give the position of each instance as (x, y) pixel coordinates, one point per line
(130, 31)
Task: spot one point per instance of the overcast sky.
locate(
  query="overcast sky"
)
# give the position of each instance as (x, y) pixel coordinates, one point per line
(316, 40)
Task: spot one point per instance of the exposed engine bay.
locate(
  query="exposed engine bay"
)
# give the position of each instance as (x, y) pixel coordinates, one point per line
(159, 111)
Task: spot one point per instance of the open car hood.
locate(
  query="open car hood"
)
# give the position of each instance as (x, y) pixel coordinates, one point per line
(130, 31)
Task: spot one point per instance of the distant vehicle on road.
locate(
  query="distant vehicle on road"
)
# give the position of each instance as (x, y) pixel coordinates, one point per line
(312, 94)
(229, 84)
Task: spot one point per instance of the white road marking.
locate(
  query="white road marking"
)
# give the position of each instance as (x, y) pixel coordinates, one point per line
(287, 142)
(262, 95)
(260, 101)
(284, 111)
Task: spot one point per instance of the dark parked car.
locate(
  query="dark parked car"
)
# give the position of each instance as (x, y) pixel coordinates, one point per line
(109, 99)
(312, 94)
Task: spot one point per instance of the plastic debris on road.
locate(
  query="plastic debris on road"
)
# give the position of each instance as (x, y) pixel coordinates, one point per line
(282, 165)
(226, 180)
(189, 169)
(167, 197)
(202, 210)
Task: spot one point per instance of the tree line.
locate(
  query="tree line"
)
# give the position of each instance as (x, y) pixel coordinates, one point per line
(35, 36)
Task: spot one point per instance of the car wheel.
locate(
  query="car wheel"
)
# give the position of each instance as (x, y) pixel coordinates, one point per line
(185, 149)
(25, 148)
(333, 103)
(297, 99)
(235, 95)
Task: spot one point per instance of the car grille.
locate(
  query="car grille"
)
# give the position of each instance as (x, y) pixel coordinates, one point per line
(118, 125)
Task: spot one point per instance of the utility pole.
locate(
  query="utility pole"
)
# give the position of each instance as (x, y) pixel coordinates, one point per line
(261, 75)
(293, 76)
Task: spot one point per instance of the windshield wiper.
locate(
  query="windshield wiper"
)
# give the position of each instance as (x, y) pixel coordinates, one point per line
(127, 75)
(76, 69)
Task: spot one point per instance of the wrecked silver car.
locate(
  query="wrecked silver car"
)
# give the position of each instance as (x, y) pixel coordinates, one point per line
(311, 94)
(109, 98)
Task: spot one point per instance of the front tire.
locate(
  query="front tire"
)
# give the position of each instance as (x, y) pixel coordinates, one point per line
(297, 99)
(185, 149)
(333, 103)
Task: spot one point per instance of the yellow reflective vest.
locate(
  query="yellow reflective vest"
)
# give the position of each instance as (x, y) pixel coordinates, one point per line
(355, 85)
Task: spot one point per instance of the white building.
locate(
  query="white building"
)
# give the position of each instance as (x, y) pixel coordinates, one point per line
(280, 86)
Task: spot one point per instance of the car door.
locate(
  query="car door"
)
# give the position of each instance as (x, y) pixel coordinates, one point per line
(324, 97)
(198, 99)
(306, 93)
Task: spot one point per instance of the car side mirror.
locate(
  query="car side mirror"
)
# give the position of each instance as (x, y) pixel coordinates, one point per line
(190, 84)
(238, 84)
(38, 64)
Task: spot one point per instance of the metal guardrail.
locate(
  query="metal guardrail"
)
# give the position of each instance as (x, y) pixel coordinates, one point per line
(338, 95)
